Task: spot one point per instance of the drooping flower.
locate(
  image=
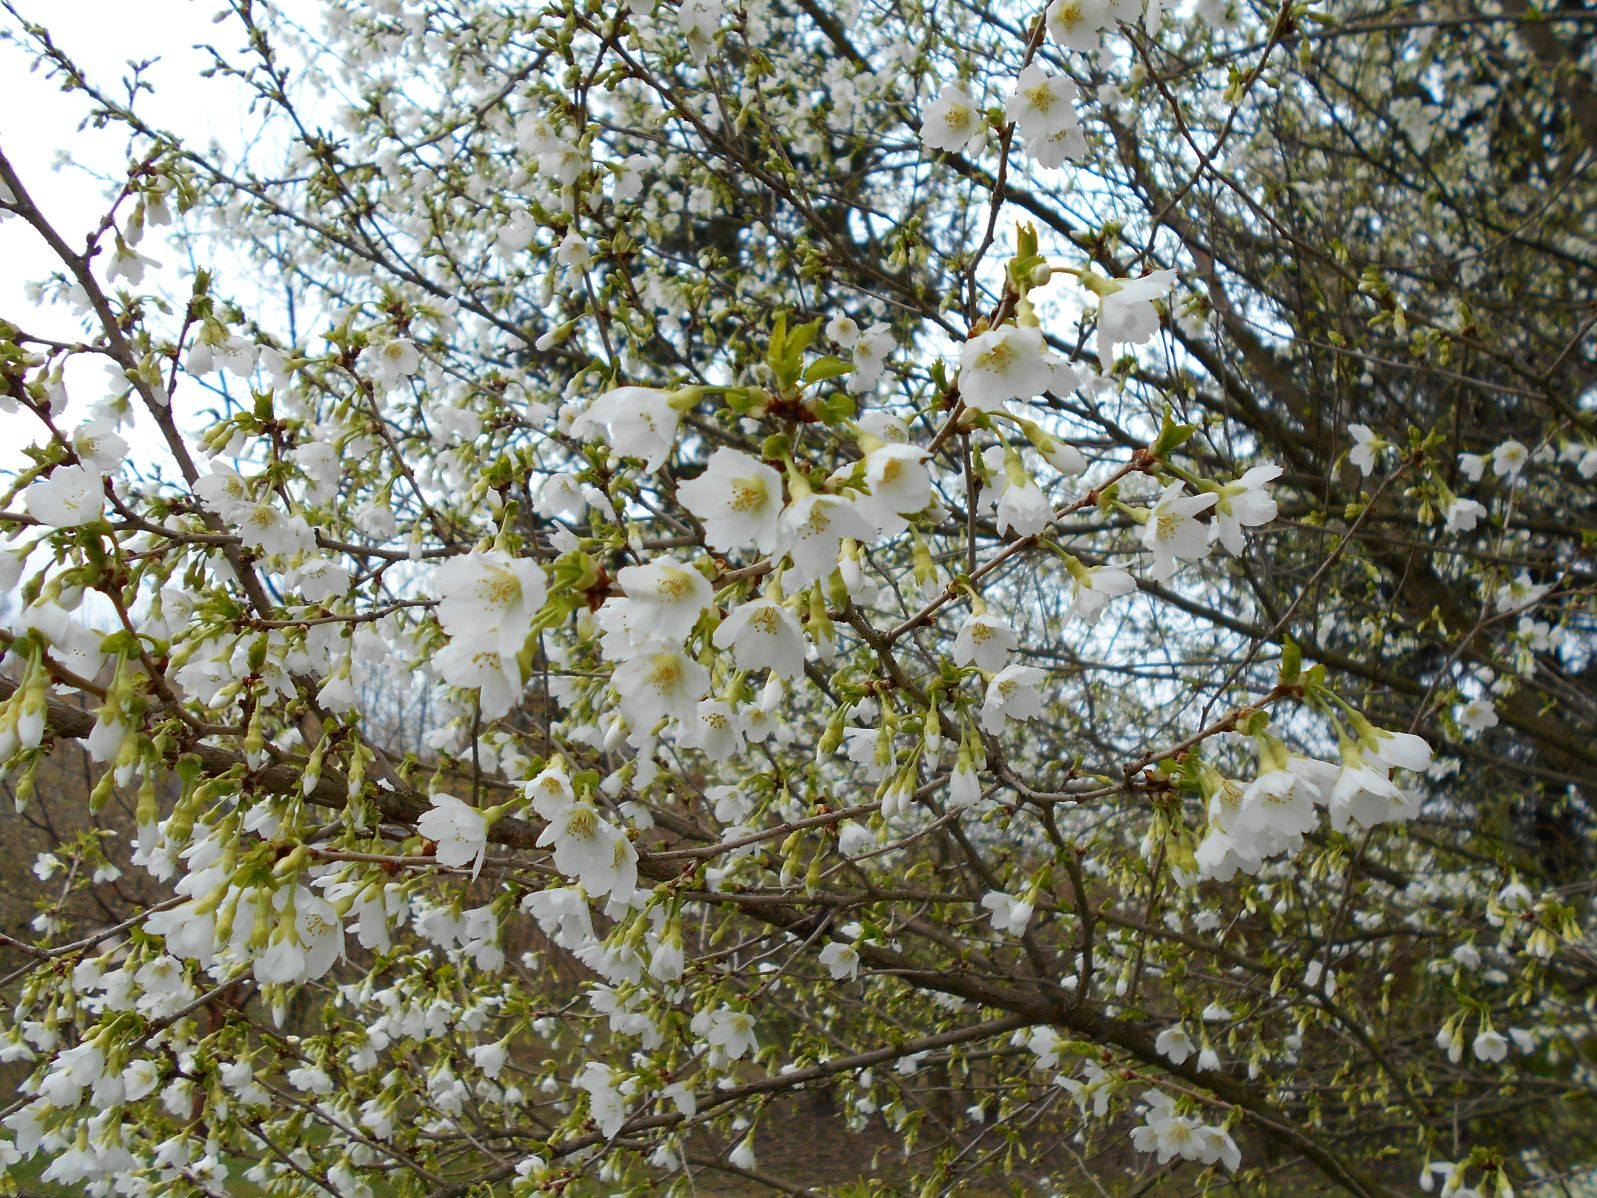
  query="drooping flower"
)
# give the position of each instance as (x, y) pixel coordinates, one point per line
(1477, 715)
(562, 915)
(1277, 809)
(1519, 592)
(1394, 750)
(667, 959)
(550, 792)
(739, 501)
(1169, 1134)
(127, 263)
(700, 20)
(607, 1104)
(1490, 1045)
(964, 785)
(139, 1079)
(592, 850)
(1366, 444)
(1008, 914)
(1126, 313)
(871, 351)
(1174, 1044)
(629, 176)
(1363, 793)
(1220, 854)
(868, 747)
(841, 960)
(1018, 503)
(574, 252)
(1061, 455)
(1461, 515)
(727, 1030)
(1055, 149)
(560, 495)
(1093, 588)
(490, 1057)
(305, 947)
(563, 160)
(742, 1155)
(476, 663)
(1243, 504)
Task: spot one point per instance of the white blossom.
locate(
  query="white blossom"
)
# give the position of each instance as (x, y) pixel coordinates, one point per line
(812, 529)
(639, 422)
(1011, 695)
(1171, 532)
(1126, 312)
(69, 496)
(985, 641)
(739, 501)
(1009, 915)
(1366, 445)
(1005, 363)
(459, 829)
(952, 121)
(390, 362)
(1243, 504)
(763, 634)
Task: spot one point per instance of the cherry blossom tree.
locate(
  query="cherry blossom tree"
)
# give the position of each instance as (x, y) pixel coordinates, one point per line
(1027, 568)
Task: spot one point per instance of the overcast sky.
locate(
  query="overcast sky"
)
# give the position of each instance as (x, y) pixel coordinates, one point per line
(66, 168)
(57, 160)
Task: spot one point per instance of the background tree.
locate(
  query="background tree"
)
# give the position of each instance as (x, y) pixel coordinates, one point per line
(1026, 570)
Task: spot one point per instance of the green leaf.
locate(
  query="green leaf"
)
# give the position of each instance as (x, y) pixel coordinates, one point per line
(800, 338)
(786, 353)
(827, 367)
(834, 409)
(1291, 661)
(1171, 436)
(778, 345)
(744, 400)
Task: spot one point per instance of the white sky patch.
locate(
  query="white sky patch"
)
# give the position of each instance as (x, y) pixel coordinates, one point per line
(70, 170)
